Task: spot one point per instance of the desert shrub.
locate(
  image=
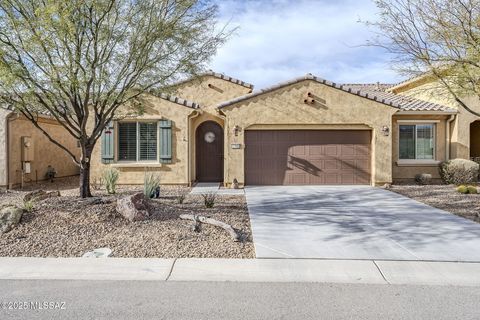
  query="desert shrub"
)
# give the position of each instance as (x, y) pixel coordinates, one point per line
(462, 189)
(151, 184)
(209, 199)
(472, 190)
(467, 189)
(459, 171)
(28, 206)
(181, 198)
(110, 177)
(423, 178)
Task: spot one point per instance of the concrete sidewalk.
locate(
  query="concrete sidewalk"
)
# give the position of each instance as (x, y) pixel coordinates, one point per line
(247, 270)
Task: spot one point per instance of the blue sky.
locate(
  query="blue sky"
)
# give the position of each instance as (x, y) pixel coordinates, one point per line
(281, 39)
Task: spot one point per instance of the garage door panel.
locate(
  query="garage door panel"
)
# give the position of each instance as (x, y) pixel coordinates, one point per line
(298, 157)
(331, 150)
(362, 150)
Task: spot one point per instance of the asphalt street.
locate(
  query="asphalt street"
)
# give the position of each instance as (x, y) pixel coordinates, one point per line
(67, 299)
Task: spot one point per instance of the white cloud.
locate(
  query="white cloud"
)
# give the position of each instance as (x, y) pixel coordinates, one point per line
(278, 40)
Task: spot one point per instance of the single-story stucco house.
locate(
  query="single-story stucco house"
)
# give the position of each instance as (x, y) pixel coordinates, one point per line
(26, 153)
(214, 128)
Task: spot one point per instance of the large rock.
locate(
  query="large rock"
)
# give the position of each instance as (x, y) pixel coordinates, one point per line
(9, 218)
(39, 195)
(133, 208)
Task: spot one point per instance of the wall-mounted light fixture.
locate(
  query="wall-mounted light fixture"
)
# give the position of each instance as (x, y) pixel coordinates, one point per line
(385, 131)
(236, 130)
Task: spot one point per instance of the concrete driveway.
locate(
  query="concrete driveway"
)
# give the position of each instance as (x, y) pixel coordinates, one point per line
(355, 222)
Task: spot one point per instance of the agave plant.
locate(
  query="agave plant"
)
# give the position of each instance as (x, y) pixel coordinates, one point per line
(151, 185)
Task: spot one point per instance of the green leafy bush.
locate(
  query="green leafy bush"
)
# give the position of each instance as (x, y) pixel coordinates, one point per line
(459, 171)
(209, 199)
(151, 184)
(110, 178)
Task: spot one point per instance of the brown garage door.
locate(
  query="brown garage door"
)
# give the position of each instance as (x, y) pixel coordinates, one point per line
(299, 157)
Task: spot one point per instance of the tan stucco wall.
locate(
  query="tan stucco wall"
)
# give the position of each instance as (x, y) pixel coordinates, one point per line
(3, 147)
(460, 130)
(285, 109)
(170, 173)
(45, 152)
(186, 121)
(409, 171)
(198, 91)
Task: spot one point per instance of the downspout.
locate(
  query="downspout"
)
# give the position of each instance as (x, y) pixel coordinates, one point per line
(10, 117)
(225, 148)
(192, 115)
(447, 135)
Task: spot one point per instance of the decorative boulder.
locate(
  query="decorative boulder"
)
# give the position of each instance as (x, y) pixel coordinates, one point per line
(9, 218)
(133, 208)
(39, 195)
(423, 178)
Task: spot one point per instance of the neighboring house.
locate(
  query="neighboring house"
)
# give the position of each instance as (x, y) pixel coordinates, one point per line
(26, 153)
(304, 131)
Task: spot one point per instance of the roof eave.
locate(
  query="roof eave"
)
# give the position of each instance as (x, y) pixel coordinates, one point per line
(426, 112)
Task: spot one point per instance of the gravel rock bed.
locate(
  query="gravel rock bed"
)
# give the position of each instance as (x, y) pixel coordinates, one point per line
(68, 226)
(443, 197)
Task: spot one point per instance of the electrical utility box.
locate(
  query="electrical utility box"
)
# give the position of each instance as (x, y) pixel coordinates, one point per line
(27, 149)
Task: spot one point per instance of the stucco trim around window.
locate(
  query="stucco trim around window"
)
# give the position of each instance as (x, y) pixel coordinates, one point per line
(417, 161)
(137, 150)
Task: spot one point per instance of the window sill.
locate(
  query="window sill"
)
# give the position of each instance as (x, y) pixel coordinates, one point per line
(137, 165)
(418, 163)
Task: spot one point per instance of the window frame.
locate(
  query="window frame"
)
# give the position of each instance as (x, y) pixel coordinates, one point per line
(416, 123)
(137, 131)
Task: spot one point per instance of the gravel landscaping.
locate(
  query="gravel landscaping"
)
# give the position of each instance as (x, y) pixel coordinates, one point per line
(443, 197)
(67, 226)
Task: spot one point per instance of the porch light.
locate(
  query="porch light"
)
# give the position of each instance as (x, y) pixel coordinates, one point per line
(385, 131)
(236, 130)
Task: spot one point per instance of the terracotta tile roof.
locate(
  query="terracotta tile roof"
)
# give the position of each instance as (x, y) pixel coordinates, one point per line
(174, 99)
(217, 75)
(375, 92)
(405, 103)
(362, 93)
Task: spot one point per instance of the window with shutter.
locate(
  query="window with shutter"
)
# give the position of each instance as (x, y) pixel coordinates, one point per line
(147, 141)
(127, 141)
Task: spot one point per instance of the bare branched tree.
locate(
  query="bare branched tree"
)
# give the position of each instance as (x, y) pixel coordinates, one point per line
(439, 38)
(79, 60)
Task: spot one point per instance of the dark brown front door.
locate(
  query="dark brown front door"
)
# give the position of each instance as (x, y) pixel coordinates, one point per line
(209, 152)
(299, 157)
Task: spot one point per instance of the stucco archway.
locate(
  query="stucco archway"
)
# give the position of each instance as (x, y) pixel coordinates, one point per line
(209, 150)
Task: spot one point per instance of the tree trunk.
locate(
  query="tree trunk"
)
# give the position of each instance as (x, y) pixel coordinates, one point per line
(85, 174)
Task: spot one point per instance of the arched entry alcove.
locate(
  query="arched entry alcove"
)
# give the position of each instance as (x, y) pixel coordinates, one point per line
(209, 152)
